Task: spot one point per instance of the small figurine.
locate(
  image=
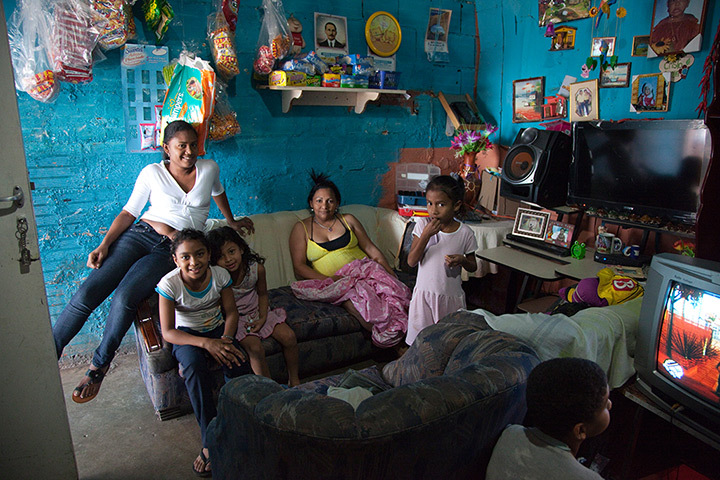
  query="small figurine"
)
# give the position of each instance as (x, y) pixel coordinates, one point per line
(296, 32)
(578, 250)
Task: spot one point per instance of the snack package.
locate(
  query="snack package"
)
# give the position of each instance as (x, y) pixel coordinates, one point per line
(230, 9)
(223, 123)
(158, 14)
(116, 31)
(222, 46)
(274, 41)
(190, 96)
(30, 43)
(76, 30)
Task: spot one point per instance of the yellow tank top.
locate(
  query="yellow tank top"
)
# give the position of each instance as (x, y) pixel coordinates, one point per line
(328, 262)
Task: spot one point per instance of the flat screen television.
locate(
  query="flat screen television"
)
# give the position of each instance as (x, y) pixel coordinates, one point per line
(652, 167)
(677, 354)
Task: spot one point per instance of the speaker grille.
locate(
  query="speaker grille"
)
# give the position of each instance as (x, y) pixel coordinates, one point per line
(521, 164)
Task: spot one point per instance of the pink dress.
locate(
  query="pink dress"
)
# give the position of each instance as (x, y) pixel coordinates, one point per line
(438, 290)
(246, 300)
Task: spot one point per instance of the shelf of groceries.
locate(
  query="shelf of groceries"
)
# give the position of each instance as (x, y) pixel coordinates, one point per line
(330, 96)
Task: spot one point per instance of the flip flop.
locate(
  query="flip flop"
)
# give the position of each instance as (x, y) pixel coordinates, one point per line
(203, 472)
(96, 377)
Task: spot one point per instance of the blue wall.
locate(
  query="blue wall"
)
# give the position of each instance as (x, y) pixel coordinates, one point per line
(76, 150)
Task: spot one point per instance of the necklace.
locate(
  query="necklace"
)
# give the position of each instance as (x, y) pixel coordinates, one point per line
(329, 229)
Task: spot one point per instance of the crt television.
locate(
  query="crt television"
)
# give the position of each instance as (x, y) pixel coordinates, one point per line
(646, 167)
(677, 354)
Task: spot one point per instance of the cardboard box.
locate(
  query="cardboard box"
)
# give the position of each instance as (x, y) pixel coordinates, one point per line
(281, 78)
(490, 197)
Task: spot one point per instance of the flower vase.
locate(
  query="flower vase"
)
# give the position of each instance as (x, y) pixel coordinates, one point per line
(468, 172)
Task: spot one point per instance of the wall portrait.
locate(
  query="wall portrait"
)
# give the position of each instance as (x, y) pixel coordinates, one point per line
(677, 26)
(584, 101)
(331, 34)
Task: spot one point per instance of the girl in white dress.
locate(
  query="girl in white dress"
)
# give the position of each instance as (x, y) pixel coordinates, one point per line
(442, 247)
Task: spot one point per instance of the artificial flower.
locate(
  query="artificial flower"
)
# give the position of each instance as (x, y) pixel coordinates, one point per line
(472, 141)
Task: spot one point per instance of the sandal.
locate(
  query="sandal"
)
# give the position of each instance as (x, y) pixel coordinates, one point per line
(203, 472)
(96, 377)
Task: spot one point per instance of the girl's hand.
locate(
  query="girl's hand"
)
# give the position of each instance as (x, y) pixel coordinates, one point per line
(244, 223)
(433, 227)
(257, 324)
(97, 257)
(223, 350)
(454, 260)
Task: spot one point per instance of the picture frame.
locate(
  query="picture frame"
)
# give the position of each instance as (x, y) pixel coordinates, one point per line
(677, 30)
(528, 97)
(584, 101)
(618, 77)
(558, 12)
(640, 46)
(559, 233)
(531, 223)
(599, 42)
(323, 32)
(650, 92)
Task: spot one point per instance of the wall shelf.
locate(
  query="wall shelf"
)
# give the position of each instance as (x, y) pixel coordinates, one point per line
(330, 96)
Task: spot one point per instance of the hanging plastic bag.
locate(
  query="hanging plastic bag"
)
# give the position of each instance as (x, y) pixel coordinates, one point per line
(274, 41)
(30, 43)
(158, 14)
(77, 28)
(230, 10)
(190, 96)
(223, 123)
(222, 46)
(117, 30)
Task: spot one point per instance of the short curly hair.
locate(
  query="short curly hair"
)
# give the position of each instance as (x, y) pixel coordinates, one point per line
(188, 234)
(563, 392)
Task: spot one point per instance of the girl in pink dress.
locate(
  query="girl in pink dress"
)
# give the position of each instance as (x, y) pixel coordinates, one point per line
(257, 321)
(442, 247)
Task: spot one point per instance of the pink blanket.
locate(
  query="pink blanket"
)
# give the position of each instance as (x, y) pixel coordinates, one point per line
(381, 299)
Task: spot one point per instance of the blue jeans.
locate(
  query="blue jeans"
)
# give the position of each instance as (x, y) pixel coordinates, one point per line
(195, 363)
(136, 262)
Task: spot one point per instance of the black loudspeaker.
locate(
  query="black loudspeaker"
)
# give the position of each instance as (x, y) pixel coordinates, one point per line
(536, 167)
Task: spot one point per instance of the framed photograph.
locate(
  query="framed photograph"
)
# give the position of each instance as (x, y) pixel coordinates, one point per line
(331, 34)
(650, 92)
(531, 223)
(603, 43)
(640, 46)
(527, 99)
(584, 101)
(559, 233)
(615, 77)
(677, 26)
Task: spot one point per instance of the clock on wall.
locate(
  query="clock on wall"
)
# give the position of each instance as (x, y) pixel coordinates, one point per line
(382, 33)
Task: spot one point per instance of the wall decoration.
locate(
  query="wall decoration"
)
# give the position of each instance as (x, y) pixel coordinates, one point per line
(677, 65)
(640, 46)
(527, 99)
(436, 35)
(650, 93)
(558, 12)
(603, 46)
(564, 89)
(531, 223)
(554, 107)
(563, 38)
(383, 34)
(584, 101)
(331, 34)
(619, 76)
(677, 26)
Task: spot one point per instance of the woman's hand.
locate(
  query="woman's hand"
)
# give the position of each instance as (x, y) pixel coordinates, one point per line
(244, 223)
(97, 257)
(223, 350)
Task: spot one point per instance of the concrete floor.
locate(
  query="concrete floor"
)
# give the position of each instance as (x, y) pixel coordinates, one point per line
(117, 435)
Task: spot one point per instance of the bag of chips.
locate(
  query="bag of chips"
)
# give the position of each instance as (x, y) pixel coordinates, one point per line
(118, 30)
(190, 96)
(222, 46)
(77, 28)
(223, 123)
(274, 41)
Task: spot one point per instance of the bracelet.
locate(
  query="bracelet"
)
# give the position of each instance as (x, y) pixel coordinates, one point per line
(228, 337)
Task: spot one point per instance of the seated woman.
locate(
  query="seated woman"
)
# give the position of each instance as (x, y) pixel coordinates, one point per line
(341, 265)
(134, 256)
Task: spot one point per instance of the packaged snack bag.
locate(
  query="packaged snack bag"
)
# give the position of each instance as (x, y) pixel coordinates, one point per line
(116, 31)
(190, 96)
(223, 123)
(77, 28)
(158, 14)
(222, 46)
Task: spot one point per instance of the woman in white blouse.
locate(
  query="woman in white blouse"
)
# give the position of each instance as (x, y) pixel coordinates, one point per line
(134, 256)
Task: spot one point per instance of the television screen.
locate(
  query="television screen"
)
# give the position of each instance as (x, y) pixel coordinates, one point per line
(689, 349)
(643, 167)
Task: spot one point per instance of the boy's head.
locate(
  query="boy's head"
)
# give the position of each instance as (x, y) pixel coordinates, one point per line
(568, 398)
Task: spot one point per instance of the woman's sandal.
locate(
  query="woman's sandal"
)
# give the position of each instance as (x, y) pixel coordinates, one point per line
(96, 377)
(203, 472)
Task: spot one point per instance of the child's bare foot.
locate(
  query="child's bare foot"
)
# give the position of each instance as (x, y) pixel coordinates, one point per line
(201, 465)
(294, 382)
(89, 386)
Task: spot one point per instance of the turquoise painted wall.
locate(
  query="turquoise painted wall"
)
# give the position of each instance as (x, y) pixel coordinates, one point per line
(76, 151)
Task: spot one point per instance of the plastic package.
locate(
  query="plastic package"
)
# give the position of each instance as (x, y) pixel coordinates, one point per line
(274, 41)
(230, 9)
(222, 46)
(223, 123)
(158, 14)
(30, 42)
(117, 30)
(77, 28)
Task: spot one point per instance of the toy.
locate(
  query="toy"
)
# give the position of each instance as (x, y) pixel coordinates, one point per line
(578, 250)
(296, 32)
(685, 247)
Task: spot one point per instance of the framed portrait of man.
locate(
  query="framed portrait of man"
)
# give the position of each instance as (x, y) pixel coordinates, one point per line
(677, 26)
(331, 34)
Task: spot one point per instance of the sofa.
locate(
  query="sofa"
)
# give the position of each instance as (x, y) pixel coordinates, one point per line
(328, 337)
(437, 414)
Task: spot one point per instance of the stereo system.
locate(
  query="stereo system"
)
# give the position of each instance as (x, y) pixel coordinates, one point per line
(536, 167)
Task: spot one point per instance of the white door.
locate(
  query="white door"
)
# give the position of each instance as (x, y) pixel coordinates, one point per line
(35, 441)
